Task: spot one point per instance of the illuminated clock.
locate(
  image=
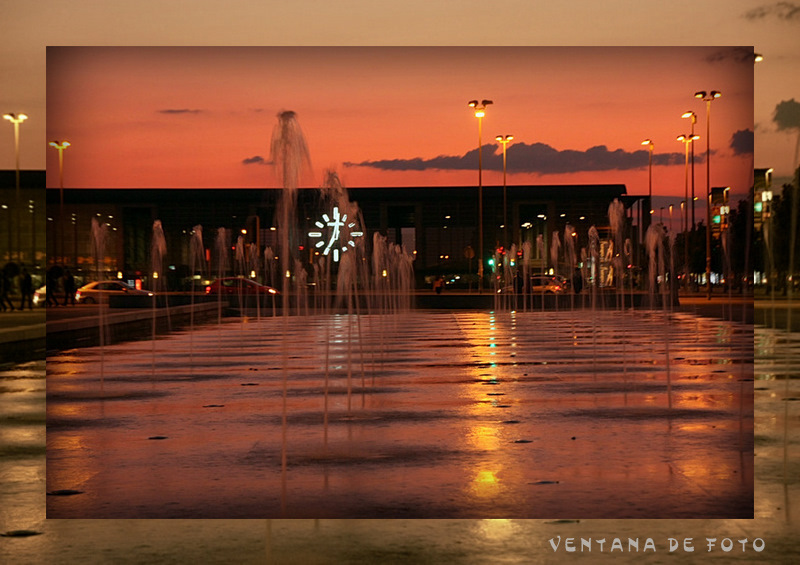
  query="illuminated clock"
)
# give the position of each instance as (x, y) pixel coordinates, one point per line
(334, 235)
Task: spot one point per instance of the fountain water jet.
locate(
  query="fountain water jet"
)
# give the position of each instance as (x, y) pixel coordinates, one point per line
(555, 247)
(197, 257)
(289, 154)
(616, 218)
(158, 249)
(99, 235)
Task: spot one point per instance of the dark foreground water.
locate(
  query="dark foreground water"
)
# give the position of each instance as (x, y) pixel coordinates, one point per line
(473, 541)
(427, 415)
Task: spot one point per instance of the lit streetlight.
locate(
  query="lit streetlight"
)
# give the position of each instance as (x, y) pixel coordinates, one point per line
(16, 119)
(693, 117)
(480, 112)
(686, 140)
(60, 146)
(708, 97)
(504, 139)
(649, 174)
(650, 209)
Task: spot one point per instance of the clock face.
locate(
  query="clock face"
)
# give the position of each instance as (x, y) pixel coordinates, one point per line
(334, 235)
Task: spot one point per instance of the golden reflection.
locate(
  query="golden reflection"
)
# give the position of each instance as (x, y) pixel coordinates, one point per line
(496, 529)
(484, 438)
(486, 484)
(65, 410)
(703, 470)
(694, 427)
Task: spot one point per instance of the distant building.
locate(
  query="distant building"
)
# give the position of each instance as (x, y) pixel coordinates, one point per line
(762, 205)
(438, 225)
(22, 218)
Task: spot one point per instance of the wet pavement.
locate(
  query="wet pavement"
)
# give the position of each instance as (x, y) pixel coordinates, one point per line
(431, 415)
(777, 467)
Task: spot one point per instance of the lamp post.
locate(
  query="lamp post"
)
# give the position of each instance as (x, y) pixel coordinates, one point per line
(480, 112)
(649, 174)
(693, 117)
(708, 97)
(60, 146)
(16, 119)
(504, 139)
(686, 140)
(650, 209)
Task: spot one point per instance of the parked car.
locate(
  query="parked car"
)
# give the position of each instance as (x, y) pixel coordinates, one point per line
(91, 293)
(40, 296)
(540, 284)
(239, 285)
(547, 284)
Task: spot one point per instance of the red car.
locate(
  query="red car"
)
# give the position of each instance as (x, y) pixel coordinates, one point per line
(237, 286)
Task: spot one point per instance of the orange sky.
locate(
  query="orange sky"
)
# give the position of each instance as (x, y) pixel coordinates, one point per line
(189, 117)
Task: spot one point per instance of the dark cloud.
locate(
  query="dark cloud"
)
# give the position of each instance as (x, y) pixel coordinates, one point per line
(787, 114)
(255, 160)
(179, 111)
(735, 54)
(534, 158)
(788, 11)
(742, 142)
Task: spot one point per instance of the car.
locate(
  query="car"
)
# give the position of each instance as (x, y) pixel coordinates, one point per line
(540, 284)
(547, 284)
(95, 292)
(40, 296)
(239, 285)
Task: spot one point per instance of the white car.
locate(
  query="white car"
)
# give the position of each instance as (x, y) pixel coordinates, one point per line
(40, 296)
(94, 292)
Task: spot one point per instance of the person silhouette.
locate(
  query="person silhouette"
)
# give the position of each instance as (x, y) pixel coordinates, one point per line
(69, 288)
(26, 289)
(5, 287)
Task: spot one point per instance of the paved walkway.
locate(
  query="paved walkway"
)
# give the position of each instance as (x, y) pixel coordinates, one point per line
(22, 334)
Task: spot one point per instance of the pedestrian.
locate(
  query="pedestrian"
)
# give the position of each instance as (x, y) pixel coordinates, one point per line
(5, 287)
(69, 288)
(577, 281)
(26, 289)
(438, 284)
(52, 285)
(518, 282)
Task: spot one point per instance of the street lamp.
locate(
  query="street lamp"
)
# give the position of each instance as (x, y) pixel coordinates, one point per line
(480, 112)
(60, 146)
(708, 97)
(16, 119)
(504, 139)
(686, 140)
(649, 174)
(650, 209)
(693, 117)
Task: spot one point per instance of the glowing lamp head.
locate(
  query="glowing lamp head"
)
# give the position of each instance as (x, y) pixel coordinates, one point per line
(15, 118)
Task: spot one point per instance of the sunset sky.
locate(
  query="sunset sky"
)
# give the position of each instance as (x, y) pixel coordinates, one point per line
(202, 117)
(413, 108)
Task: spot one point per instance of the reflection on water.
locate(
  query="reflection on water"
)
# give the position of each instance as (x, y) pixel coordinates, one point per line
(463, 415)
(310, 542)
